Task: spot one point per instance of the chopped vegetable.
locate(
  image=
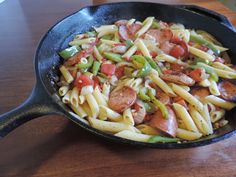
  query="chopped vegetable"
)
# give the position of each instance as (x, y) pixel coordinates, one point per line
(82, 81)
(142, 94)
(108, 69)
(69, 52)
(129, 43)
(113, 56)
(156, 24)
(142, 64)
(162, 139)
(107, 37)
(87, 64)
(91, 33)
(149, 107)
(159, 104)
(153, 64)
(199, 39)
(96, 67)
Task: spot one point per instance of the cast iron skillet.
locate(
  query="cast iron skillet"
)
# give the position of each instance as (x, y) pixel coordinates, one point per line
(44, 99)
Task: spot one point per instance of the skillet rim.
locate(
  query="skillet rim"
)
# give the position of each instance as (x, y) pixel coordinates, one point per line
(107, 136)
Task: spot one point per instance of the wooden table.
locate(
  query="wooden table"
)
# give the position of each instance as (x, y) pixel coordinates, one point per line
(53, 145)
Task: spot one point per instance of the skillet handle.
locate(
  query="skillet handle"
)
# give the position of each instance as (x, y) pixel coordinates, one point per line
(38, 104)
(209, 13)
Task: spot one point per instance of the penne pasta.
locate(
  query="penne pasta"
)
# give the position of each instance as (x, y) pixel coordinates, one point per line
(130, 52)
(87, 109)
(63, 90)
(105, 28)
(113, 127)
(220, 102)
(133, 136)
(142, 47)
(92, 104)
(221, 73)
(217, 115)
(128, 117)
(109, 42)
(106, 32)
(204, 83)
(147, 24)
(66, 97)
(74, 97)
(99, 97)
(199, 53)
(97, 54)
(106, 89)
(169, 59)
(187, 97)
(79, 111)
(160, 83)
(222, 66)
(199, 121)
(66, 74)
(206, 115)
(106, 112)
(213, 88)
(146, 129)
(188, 135)
(184, 115)
(82, 41)
(81, 99)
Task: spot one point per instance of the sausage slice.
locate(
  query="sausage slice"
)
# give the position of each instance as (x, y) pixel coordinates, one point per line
(178, 78)
(120, 100)
(227, 90)
(168, 126)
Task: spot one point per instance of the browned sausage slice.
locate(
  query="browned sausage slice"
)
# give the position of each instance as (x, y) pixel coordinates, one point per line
(200, 92)
(227, 90)
(178, 78)
(124, 33)
(161, 35)
(121, 99)
(168, 126)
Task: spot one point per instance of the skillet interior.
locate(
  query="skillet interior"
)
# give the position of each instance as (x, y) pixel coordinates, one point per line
(58, 37)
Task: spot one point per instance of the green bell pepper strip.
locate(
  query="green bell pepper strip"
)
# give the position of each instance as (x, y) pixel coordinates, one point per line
(141, 63)
(200, 40)
(69, 52)
(129, 43)
(159, 104)
(96, 67)
(149, 107)
(153, 64)
(196, 60)
(162, 139)
(210, 71)
(142, 95)
(91, 33)
(156, 24)
(113, 56)
(107, 37)
(86, 65)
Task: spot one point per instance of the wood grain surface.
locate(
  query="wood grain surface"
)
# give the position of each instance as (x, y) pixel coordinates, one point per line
(54, 146)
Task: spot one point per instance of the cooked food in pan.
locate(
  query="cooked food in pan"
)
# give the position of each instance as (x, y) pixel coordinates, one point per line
(148, 81)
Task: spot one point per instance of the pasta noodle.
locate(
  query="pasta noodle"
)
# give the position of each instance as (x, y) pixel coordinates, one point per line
(133, 136)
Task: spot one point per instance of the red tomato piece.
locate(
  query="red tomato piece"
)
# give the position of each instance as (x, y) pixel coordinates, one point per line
(82, 81)
(177, 51)
(108, 69)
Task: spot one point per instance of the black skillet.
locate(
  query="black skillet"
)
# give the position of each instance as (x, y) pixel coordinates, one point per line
(44, 99)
